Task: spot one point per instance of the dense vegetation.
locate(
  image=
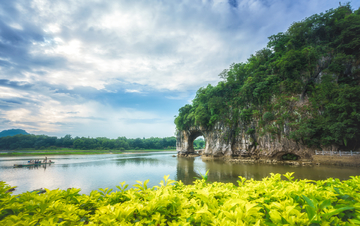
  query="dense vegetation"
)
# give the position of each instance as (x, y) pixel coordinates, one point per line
(39, 142)
(304, 85)
(272, 201)
(12, 132)
(199, 143)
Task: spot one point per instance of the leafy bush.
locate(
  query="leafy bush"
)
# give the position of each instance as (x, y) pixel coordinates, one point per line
(268, 116)
(272, 201)
(250, 131)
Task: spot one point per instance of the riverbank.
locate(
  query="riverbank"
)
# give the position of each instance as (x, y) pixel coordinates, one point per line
(316, 160)
(74, 152)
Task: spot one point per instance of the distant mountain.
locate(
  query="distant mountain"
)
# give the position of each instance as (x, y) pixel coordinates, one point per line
(12, 132)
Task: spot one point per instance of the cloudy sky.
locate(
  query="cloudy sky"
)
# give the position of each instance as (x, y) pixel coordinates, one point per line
(123, 68)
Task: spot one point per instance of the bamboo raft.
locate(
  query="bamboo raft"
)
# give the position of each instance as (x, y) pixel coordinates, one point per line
(32, 164)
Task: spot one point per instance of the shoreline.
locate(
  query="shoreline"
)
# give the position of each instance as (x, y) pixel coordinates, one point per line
(73, 152)
(315, 160)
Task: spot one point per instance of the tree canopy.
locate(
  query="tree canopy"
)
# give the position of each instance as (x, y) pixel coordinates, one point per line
(86, 143)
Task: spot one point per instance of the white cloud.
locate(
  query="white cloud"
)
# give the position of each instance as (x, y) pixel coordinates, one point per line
(132, 91)
(126, 47)
(163, 45)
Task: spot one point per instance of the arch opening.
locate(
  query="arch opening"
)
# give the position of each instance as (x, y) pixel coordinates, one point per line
(290, 156)
(196, 141)
(199, 143)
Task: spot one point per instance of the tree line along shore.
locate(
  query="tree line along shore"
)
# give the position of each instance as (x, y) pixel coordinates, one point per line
(32, 142)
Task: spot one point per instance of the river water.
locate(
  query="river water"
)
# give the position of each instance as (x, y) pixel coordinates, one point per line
(91, 172)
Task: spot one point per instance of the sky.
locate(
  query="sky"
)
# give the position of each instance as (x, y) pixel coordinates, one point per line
(111, 68)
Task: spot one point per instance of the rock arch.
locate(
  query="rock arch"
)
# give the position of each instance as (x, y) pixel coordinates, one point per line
(222, 141)
(185, 140)
(218, 142)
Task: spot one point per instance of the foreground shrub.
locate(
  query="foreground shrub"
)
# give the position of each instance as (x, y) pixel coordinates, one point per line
(272, 201)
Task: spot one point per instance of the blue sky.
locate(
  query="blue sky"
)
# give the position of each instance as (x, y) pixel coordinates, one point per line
(123, 68)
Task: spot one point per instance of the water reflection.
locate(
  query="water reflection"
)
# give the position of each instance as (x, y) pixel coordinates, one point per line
(185, 170)
(138, 161)
(36, 167)
(90, 172)
(230, 172)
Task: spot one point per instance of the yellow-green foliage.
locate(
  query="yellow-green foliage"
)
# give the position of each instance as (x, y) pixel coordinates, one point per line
(272, 201)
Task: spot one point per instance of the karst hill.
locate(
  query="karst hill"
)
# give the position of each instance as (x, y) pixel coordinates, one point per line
(300, 95)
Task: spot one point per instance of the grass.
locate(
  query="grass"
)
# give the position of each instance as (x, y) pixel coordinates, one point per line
(67, 151)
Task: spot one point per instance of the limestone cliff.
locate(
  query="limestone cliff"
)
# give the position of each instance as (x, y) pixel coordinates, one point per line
(221, 141)
(299, 95)
(234, 141)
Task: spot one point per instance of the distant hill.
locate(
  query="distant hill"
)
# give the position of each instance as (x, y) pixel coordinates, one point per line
(12, 132)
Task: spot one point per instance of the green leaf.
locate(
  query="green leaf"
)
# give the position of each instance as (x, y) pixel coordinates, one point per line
(325, 204)
(308, 201)
(337, 191)
(145, 183)
(354, 221)
(310, 212)
(339, 211)
(289, 176)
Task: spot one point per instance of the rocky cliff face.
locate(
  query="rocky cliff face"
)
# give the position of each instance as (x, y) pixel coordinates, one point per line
(222, 141)
(244, 141)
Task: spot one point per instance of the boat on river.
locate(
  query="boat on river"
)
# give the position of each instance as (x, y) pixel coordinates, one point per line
(34, 163)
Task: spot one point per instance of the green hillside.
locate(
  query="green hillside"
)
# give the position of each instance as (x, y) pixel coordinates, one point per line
(304, 85)
(12, 132)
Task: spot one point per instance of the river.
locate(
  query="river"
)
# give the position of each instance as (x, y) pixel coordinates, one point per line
(91, 172)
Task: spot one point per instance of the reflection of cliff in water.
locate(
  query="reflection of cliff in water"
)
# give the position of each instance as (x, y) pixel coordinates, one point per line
(225, 172)
(229, 172)
(185, 170)
(219, 171)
